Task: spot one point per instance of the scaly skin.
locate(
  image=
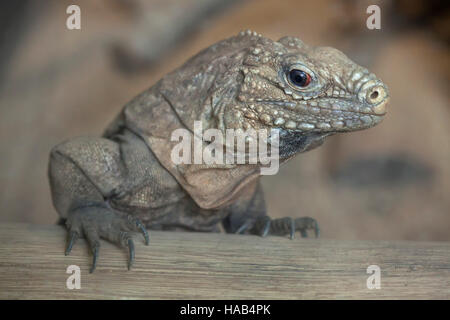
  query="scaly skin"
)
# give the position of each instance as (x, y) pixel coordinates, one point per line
(125, 181)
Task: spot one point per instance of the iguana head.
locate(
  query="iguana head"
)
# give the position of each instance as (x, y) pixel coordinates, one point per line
(306, 90)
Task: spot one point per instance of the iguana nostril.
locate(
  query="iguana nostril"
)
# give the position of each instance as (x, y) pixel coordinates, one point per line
(374, 95)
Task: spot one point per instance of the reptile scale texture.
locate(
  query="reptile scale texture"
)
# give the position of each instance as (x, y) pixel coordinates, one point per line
(106, 187)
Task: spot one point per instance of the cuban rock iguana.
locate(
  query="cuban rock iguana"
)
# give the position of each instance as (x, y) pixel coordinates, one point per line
(106, 187)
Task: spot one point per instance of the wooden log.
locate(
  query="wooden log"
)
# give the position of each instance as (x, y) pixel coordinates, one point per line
(184, 265)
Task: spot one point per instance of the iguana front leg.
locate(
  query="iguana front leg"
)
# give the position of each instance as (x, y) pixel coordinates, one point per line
(84, 173)
(248, 215)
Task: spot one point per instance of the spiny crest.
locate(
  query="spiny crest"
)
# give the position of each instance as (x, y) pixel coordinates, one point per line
(249, 33)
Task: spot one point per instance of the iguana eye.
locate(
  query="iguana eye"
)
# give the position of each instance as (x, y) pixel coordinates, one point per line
(299, 78)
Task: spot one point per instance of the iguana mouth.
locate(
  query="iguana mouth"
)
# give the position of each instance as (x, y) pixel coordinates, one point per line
(331, 104)
(325, 114)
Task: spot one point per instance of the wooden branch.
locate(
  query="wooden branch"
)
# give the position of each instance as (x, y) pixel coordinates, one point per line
(183, 265)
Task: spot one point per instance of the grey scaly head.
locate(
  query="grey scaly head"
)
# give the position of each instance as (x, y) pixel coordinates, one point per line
(306, 92)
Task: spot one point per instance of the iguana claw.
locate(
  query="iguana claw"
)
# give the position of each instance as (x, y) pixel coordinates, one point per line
(96, 222)
(284, 226)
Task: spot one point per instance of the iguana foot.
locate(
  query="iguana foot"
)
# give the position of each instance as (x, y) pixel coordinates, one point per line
(264, 226)
(97, 222)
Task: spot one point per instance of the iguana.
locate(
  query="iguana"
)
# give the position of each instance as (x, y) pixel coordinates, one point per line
(106, 187)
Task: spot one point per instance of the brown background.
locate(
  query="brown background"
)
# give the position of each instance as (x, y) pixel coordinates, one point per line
(389, 182)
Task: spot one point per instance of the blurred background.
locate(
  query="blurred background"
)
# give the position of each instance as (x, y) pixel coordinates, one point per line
(389, 182)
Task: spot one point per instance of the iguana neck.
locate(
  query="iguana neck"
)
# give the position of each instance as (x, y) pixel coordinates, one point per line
(292, 142)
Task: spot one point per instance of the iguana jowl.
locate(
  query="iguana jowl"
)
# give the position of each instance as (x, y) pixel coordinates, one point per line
(103, 188)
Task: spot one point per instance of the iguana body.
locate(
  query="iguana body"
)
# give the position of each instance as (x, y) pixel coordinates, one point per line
(126, 181)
